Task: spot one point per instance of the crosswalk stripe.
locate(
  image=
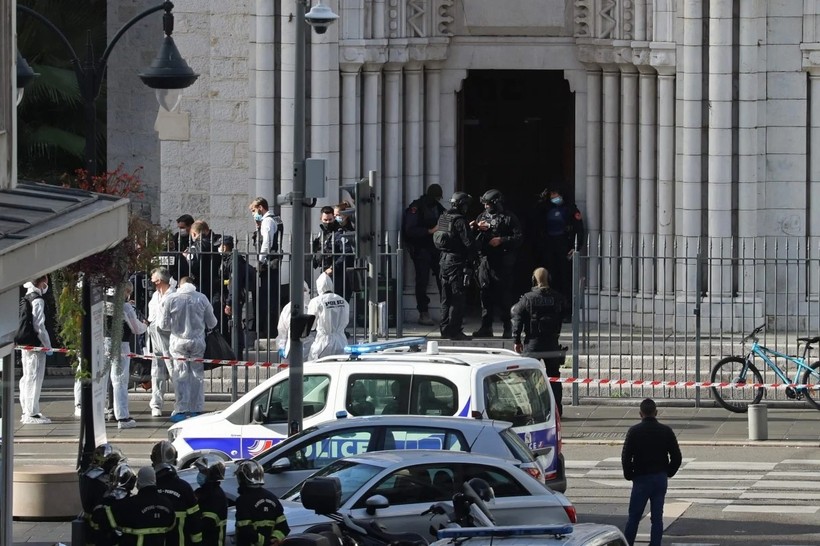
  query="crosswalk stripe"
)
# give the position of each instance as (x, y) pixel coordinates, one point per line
(769, 509)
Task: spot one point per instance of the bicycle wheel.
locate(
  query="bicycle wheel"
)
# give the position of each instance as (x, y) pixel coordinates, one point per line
(731, 397)
(812, 377)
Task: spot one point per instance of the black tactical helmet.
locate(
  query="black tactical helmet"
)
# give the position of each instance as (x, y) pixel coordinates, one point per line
(460, 201)
(492, 197)
(107, 456)
(250, 473)
(164, 452)
(212, 467)
(123, 477)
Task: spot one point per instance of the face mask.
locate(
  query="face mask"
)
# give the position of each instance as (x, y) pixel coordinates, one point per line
(44, 289)
(557, 200)
(201, 479)
(257, 216)
(340, 219)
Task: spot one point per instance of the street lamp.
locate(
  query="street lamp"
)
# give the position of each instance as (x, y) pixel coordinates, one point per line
(320, 17)
(25, 75)
(168, 73)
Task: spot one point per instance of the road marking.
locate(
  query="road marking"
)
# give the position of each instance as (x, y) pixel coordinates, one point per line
(727, 465)
(796, 485)
(801, 462)
(770, 509)
(671, 512)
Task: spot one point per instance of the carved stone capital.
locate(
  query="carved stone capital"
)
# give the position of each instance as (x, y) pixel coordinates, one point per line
(811, 58)
(398, 51)
(663, 57)
(596, 52)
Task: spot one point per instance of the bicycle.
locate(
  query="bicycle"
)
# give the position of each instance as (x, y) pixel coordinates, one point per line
(733, 371)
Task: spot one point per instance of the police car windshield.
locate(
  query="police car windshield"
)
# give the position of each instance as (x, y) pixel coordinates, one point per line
(287, 441)
(352, 476)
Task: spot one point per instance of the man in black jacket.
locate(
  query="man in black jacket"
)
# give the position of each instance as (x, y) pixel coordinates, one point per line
(650, 457)
(419, 223)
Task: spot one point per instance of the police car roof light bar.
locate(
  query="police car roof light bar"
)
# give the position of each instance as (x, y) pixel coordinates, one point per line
(377, 346)
(505, 531)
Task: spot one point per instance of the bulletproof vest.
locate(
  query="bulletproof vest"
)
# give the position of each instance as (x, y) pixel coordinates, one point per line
(26, 334)
(445, 237)
(556, 222)
(545, 313)
(280, 230)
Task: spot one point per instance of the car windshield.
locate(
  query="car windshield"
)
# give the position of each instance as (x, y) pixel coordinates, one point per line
(352, 475)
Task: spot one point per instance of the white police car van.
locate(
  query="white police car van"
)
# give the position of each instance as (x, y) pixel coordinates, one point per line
(390, 378)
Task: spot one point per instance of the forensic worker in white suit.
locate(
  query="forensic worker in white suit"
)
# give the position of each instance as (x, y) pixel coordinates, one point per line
(332, 315)
(283, 329)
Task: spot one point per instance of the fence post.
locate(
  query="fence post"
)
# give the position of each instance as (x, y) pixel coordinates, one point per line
(236, 321)
(576, 320)
(697, 312)
(373, 259)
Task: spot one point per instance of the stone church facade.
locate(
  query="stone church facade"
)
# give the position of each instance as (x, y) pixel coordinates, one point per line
(685, 130)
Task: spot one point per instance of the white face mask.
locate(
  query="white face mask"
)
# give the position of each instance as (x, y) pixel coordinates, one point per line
(44, 289)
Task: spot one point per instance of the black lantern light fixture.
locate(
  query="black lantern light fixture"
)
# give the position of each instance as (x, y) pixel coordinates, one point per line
(25, 75)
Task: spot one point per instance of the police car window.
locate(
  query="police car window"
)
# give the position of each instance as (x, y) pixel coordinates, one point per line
(503, 484)
(433, 396)
(273, 403)
(320, 452)
(424, 438)
(520, 397)
(389, 393)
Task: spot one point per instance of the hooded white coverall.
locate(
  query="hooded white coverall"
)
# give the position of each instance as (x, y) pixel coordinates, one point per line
(121, 369)
(186, 313)
(283, 328)
(332, 314)
(34, 362)
(161, 368)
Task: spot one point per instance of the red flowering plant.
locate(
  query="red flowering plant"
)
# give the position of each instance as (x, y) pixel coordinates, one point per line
(109, 268)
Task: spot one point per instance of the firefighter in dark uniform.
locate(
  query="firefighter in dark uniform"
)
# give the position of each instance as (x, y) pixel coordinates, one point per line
(559, 225)
(455, 241)
(260, 518)
(419, 222)
(94, 482)
(143, 519)
(104, 528)
(538, 315)
(212, 501)
(499, 236)
(188, 526)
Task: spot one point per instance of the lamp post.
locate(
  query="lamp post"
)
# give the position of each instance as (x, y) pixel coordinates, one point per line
(320, 17)
(168, 75)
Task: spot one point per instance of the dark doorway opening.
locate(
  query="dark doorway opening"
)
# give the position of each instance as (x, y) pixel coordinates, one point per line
(517, 135)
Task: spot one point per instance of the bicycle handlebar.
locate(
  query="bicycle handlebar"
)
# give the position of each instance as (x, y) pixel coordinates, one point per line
(753, 336)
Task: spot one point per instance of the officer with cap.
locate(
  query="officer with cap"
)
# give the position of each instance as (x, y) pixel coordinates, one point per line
(260, 518)
(559, 227)
(188, 526)
(538, 316)
(456, 243)
(419, 223)
(499, 236)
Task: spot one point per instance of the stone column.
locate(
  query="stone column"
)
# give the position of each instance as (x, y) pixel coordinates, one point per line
(593, 212)
(720, 204)
(432, 124)
(666, 182)
(647, 135)
(610, 191)
(324, 106)
(263, 123)
(814, 181)
(377, 20)
(690, 209)
(351, 171)
(413, 185)
(629, 177)
(370, 119)
(391, 202)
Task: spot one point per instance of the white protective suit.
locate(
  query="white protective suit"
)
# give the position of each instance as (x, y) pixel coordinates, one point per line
(161, 368)
(34, 363)
(187, 313)
(332, 313)
(121, 369)
(283, 339)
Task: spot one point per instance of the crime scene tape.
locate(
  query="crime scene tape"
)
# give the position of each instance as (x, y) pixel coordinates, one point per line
(567, 380)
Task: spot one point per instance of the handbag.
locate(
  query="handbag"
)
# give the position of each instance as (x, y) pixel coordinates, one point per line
(217, 348)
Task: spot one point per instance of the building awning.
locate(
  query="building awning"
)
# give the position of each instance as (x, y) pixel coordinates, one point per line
(45, 227)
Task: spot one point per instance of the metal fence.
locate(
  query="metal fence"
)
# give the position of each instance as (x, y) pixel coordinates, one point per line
(670, 311)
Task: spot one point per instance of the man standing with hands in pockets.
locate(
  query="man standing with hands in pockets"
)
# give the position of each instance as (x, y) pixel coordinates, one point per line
(650, 457)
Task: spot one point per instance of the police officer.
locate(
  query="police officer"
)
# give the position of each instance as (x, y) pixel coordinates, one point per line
(419, 223)
(538, 315)
(499, 236)
(212, 501)
(94, 482)
(260, 518)
(143, 519)
(188, 526)
(456, 243)
(558, 225)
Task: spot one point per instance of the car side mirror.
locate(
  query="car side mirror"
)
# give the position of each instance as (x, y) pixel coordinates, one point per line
(375, 502)
(258, 415)
(280, 465)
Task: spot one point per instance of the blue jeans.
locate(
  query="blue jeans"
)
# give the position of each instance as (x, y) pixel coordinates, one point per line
(652, 488)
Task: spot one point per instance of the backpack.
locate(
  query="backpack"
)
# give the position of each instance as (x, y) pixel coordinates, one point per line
(26, 334)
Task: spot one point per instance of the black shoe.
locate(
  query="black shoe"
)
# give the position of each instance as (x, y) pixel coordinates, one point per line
(460, 336)
(483, 332)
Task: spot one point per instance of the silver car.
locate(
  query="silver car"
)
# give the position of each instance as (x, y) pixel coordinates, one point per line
(395, 487)
(299, 456)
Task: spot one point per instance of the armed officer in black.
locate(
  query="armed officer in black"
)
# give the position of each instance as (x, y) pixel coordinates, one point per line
(538, 316)
(499, 236)
(419, 223)
(559, 228)
(454, 240)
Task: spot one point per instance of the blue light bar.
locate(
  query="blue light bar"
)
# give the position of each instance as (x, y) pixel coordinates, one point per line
(376, 346)
(505, 531)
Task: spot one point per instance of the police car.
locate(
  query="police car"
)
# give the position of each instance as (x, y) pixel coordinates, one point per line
(390, 378)
(580, 534)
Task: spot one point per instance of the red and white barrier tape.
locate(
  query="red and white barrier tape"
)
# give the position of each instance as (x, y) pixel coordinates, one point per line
(568, 380)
